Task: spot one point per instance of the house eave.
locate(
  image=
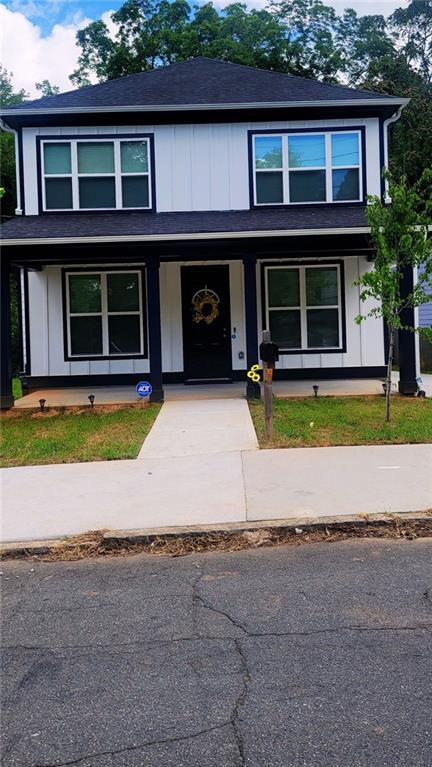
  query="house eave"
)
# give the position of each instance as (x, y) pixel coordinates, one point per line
(375, 102)
(136, 238)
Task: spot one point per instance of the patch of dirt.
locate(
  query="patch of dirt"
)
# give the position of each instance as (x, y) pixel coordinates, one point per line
(95, 544)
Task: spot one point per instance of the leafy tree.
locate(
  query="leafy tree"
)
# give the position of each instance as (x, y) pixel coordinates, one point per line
(310, 46)
(301, 37)
(400, 235)
(413, 27)
(46, 88)
(8, 97)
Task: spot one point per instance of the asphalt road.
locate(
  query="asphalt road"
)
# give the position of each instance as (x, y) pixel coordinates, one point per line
(309, 656)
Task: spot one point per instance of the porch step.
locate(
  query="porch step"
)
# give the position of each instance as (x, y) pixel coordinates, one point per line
(199, 381)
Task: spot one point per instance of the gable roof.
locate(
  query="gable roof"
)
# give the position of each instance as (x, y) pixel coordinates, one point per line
(201, 83)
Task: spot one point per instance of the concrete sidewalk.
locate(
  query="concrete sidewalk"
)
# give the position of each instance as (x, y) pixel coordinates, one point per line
(53, 501)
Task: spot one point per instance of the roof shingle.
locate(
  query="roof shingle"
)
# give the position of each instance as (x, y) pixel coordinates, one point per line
(201, 82)
(137, 224)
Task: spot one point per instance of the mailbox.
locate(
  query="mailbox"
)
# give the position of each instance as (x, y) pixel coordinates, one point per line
(269, 352)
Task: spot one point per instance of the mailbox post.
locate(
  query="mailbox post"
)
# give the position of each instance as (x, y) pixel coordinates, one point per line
(269, 354)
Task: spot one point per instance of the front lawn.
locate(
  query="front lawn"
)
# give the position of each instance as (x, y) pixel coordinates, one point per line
(322, 421)
(70, 436)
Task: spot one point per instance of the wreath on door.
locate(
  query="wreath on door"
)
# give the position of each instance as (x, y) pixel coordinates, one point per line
(205, 305)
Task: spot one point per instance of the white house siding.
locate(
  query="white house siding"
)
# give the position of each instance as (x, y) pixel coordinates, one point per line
(365, 345)
(200, 166)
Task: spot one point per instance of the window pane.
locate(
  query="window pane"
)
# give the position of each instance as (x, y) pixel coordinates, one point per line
(307, 186)
(269, 187)
(135, 191)
(123, 292)
(283, 287)
(268, 152)
(58, 193)
(321, 286)
(84, 293)
(345, 149)
(134, 157)
(96, 157)
(57, 158)
(306, 151)
(346, 185)
(124, 334)
(86, 335)
(322, 327)
(285, 328)
(97, 193)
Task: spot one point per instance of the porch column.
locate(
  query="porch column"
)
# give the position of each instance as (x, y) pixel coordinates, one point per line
(6, 397)
(154, 329)
(408, 371)
(253, 390)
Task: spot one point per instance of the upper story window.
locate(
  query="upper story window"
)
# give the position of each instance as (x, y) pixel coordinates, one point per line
(314, 167)
(96, 174)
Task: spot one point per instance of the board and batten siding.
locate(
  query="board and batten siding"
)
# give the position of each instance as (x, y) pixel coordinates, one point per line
(199, 166)
(365, 344)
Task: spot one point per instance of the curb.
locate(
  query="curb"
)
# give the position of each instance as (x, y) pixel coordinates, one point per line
(113, 539)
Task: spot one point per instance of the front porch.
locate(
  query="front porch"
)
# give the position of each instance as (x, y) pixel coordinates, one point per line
(121, 395)
(160, 333)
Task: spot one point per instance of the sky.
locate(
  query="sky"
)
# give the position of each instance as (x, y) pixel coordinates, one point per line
(37, 37)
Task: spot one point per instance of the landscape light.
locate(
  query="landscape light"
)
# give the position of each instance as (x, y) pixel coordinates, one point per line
(92, 399)
(315, 390)
(42, 405)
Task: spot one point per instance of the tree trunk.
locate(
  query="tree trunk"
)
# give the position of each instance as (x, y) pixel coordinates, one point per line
(391, 330)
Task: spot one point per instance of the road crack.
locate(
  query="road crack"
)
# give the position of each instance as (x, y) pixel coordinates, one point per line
(128, 749)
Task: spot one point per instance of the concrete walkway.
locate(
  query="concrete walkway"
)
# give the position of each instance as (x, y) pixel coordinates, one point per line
(204, 426)
(53, 501)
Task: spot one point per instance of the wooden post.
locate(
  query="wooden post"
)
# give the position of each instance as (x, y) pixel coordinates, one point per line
(268, 391)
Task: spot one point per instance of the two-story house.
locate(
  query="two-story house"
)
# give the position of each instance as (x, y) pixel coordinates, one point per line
(165, 218)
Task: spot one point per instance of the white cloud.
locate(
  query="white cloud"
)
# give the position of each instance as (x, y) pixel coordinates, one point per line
(32, 57)
(362, 7)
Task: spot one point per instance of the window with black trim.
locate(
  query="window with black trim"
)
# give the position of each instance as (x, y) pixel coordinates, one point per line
(96, 174)
(105, 314)
(303, 306)
(314, 167)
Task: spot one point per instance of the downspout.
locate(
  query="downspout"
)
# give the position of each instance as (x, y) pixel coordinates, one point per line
(394, 118)
(7, 129)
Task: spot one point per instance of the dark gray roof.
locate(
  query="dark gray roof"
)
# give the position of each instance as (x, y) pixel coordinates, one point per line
(147, 225)
(200, 82)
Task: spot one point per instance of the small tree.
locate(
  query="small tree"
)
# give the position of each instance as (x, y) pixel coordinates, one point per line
(399, 232)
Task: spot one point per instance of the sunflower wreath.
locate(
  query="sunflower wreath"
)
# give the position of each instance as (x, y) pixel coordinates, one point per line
(202, 299)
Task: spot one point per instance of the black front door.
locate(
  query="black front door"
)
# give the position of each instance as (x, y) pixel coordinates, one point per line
(206, 322)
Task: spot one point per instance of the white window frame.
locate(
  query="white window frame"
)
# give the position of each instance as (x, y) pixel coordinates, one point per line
(74, 175)
(328, 167)
(104, 314)
(304, 306)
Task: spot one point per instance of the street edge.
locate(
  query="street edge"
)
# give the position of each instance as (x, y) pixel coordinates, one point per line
(148, 535)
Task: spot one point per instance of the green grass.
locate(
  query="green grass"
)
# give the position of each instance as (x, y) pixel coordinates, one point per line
(310, 422)
(69, 436)
(16, 388)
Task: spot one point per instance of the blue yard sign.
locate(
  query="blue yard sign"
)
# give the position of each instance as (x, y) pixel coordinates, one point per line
(143, 389)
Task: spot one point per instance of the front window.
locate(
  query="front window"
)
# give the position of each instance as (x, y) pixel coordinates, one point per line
(307, 168)
(104, 314)
(96, 174)
(303, 307)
